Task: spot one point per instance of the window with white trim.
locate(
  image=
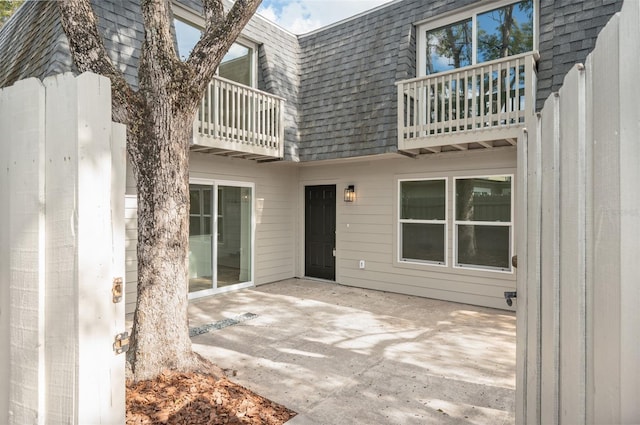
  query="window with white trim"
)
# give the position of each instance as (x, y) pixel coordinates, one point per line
(423, 221)
(481, 219)
(483, 224)
(238, 65)
(492, 31)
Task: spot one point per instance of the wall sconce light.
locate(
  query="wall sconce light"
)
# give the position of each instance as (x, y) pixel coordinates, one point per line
(350, 193)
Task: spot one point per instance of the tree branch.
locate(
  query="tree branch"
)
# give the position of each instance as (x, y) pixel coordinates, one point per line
(88, 52)
(158, 41)
(213, 13)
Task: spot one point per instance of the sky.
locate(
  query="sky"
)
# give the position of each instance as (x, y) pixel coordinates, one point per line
(301, 16)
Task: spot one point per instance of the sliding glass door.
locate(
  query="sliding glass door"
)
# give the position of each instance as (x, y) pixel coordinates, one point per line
(220, 236)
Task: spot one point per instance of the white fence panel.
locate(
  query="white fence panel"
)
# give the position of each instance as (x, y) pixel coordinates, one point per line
(22, 113)
(572, 248)
(62, 216)
(582, 357)
(549, 260)
(629, 38)
(605, 277)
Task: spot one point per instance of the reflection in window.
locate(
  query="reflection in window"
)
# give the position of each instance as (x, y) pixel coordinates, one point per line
(186, 36)
(237, 65)
(483, 246)
(200, 249)
(234, 255)
(449, 47)
(499, 33)
(505, 31)
(423, 220)
(200, 210)
(423, 242)
(483, 222)
(227, 262)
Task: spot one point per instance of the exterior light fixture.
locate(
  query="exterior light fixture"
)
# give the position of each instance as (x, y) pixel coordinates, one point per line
(350, 193)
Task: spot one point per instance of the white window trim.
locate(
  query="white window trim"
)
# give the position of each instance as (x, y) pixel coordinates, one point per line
(215, 183)
(445, 222)
(460, 14)
(201, 214)
(192, 17)
(509, 224)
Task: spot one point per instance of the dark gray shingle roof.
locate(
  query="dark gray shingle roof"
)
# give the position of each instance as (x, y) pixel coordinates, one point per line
(338, 82)
(33, 44)
(348, 96)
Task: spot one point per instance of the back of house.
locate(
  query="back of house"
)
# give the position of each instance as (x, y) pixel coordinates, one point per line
(377, 152)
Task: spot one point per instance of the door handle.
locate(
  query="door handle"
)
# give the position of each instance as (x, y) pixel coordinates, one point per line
(508, 296)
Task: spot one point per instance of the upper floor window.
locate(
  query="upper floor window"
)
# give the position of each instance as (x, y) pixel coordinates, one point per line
(497, 30)
(239, 64)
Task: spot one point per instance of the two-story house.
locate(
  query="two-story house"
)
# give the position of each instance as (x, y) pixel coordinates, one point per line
(377, 152)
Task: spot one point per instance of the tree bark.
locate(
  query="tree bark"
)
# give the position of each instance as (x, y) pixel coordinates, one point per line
(466, 234)
(159, 119)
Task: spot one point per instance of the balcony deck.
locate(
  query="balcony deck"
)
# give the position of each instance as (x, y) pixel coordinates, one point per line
(239, 121)
(476, 107)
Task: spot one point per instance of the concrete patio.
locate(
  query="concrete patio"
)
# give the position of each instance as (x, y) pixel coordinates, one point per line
(340, 355)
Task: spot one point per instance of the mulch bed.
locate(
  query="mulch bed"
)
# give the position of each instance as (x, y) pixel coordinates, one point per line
(198, 398)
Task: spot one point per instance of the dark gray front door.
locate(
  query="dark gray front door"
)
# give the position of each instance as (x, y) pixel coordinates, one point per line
(320, 231)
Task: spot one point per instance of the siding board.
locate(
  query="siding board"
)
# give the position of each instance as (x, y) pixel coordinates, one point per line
(274, 233)
(372, 231)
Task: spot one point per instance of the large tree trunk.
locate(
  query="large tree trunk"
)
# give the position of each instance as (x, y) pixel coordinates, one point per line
(160, 338)
(159, 118)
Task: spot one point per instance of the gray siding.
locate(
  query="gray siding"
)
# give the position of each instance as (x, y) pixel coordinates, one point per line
(275, 193)
(275, 230)
(367, 229)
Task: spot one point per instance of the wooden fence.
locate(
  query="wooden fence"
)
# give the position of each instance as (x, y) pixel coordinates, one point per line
(61, 253)
(579, 274)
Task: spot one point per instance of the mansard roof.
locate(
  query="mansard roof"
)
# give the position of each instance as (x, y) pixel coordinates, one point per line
(338, 81)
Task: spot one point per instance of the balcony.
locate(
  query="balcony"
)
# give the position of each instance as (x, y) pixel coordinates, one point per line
(239, 121)
(479, 106)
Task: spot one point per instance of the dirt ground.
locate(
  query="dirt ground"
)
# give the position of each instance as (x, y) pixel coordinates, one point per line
(198, 399)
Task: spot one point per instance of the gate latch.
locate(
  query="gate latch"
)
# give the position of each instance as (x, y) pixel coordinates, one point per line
(121, 343)
(508, 296)
(116, 289)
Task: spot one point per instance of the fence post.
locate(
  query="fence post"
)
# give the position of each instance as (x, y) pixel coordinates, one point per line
(81, 317)
(22, 255)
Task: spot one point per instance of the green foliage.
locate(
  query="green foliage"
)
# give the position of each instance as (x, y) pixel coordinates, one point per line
(7, 7)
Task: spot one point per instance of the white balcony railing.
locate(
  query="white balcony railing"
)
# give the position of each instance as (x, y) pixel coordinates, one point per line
(471, 104)
(237, 118)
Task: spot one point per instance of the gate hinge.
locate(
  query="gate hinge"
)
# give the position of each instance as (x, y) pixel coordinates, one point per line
(117, 289)
(121, 343)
